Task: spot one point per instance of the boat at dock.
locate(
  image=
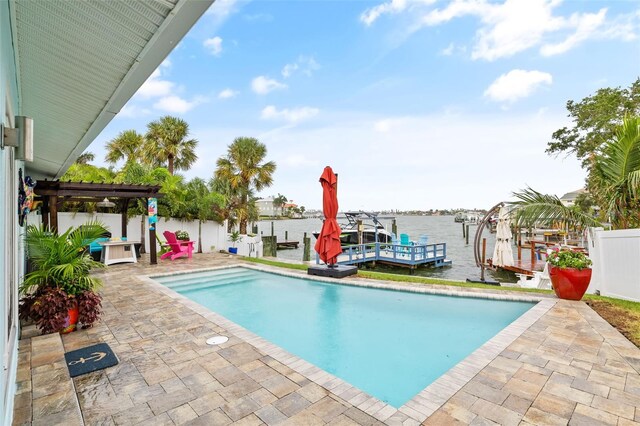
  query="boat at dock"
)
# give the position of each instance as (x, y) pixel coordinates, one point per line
(373, 231)
(379, 245)
(470, 217)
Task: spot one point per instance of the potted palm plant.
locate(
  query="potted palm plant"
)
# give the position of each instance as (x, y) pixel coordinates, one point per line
(234, 237)
(570, 273)
(60, 292)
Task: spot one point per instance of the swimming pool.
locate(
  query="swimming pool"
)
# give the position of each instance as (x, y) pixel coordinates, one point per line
(390, 344)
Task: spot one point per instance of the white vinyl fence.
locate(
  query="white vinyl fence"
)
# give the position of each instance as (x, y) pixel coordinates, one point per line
(214, 234)
(616, 263)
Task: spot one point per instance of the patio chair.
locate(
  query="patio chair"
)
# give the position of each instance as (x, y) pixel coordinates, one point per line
(405, 244)
(178, 248)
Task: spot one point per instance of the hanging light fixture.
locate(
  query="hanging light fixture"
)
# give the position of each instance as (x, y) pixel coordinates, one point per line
(105, 203)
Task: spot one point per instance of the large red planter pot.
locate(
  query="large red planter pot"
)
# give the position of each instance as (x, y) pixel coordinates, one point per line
(71, 322)
(570, 283)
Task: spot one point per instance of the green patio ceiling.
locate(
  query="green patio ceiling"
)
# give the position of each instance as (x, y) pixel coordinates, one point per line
(79, 62)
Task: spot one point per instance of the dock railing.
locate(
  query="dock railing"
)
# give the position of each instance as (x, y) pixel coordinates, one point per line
(409, 255)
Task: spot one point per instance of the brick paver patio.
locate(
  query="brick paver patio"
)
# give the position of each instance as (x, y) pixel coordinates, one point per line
(562, 365)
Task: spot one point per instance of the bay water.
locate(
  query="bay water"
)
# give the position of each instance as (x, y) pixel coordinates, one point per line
(439, 229)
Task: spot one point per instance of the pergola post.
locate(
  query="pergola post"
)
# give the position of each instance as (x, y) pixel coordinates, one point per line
(44, 212)
(125, 208)
(153, 256)
(53, 212)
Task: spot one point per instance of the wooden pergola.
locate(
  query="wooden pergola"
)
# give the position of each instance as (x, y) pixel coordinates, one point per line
(53, 193)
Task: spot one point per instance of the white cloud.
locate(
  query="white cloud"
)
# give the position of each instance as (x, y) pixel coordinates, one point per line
(516, 84)
(155, 86)
(263, 85)
(299, 160)
(289, 69)
(220, 11)
(176, 104)
(513, 26)
(370, 15)
(227, 94)
(293, 115)
(448, 51)
(385, 125)
(585, 25)
(213, 45)
(306, 64)
(133, 111)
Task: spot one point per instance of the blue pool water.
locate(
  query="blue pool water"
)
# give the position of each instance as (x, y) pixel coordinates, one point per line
(390, 344)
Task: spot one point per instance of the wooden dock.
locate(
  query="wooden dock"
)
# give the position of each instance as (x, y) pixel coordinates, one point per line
(408, 256)
(280, 245)
(525, 267)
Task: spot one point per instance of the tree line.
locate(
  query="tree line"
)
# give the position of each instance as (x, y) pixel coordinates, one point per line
(605, 137)
(154, 157)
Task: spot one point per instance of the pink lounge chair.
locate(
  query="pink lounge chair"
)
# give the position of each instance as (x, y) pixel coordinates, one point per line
(178, 248)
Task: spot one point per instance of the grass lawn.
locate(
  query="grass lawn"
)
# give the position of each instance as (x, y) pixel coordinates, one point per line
(622, 314)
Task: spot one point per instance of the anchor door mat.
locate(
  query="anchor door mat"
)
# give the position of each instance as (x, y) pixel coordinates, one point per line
(90, 359)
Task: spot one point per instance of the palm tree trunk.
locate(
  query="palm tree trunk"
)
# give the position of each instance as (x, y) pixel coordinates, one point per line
(170, 165)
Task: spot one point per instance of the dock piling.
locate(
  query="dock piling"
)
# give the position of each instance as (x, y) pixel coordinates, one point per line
(286, 235)
(394, 227)
(270, 246)
(467, 235)
(306, 253)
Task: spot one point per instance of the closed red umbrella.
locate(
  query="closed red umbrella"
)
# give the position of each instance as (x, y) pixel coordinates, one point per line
(328, 243)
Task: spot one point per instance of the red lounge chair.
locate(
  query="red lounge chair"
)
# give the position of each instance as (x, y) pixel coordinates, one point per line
(178, 248)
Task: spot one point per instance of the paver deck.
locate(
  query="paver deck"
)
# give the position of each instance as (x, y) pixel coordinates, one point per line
(561, 365)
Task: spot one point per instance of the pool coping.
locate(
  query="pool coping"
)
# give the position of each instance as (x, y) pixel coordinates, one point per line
(422, 405)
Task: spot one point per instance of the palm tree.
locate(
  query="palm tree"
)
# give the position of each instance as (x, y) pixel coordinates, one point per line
(245, 171)
(614, 183)
(85, 158)
(201, 204)
(127, 145)
(279, 202)
(167, 143)
(617, 175)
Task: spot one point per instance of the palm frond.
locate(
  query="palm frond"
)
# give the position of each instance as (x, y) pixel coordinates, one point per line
(534, 208)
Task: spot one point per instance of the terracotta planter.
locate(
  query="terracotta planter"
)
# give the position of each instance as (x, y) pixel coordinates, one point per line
(570, 283)
(71, 322)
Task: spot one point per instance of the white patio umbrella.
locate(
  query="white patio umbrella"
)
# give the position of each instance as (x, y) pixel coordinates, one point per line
(502, 253)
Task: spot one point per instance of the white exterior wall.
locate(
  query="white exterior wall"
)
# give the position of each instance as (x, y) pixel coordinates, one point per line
(616, 263)
(12, 255)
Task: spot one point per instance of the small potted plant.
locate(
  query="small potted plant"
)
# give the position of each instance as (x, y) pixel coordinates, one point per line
(60, 292)
(234, 237)
(182, 235)
(570, 273)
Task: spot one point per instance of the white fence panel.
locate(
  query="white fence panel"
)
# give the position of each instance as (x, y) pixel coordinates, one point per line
(616, 263)
(214, 235)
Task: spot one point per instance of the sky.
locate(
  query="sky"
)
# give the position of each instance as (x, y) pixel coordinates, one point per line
(424, 104)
